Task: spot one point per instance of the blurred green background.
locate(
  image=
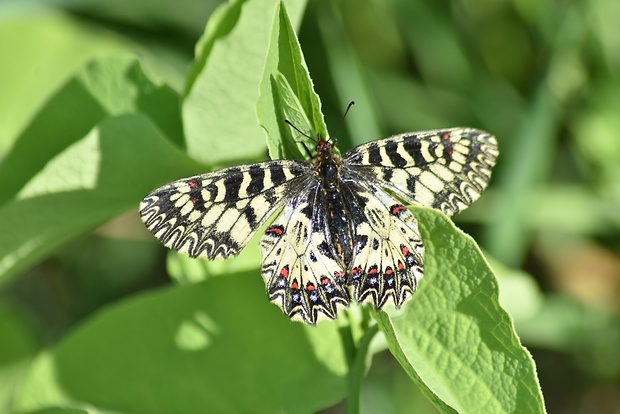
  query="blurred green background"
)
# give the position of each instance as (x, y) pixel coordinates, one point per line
(543, 76)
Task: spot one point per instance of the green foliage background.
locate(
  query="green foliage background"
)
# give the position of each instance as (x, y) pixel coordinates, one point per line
(103, 100)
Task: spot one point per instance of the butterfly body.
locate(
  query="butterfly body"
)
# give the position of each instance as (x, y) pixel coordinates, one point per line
(341, 234)
(328, 171)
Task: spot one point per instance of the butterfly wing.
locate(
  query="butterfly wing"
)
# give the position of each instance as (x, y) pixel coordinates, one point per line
(215, 215)
(300, 268)
(388, 252)
(446, 169)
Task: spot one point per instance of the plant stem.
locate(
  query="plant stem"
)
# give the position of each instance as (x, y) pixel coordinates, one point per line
(357, 370)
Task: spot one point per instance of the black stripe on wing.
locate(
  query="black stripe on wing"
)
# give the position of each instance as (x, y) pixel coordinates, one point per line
(216, 214)
(446, 169)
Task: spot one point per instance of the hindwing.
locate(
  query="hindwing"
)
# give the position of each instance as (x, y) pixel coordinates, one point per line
(388, 251)
(445, 169)
(215, 215)
(300, 268)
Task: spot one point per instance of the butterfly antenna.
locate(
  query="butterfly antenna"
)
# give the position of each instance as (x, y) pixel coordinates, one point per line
(342, 119)
(299, 130)
(309, 153)
(347, 111)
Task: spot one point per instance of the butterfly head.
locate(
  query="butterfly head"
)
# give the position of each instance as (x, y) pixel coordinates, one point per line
(325, 150)
(323, 146)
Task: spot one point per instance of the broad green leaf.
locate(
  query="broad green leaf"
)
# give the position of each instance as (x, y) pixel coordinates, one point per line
(17, 348)
(453, 338)
(87, 157)
(290, 143)
(216, 346)
(186, 17)
(44, 48)
(64, 410)
(94, 179)
(219, 111)
(105, 87)
(286, 90)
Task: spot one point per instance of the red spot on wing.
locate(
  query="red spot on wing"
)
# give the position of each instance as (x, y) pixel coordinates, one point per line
(448, 150)
(276, 230)
(340, 277)
(324, 280)
(195, 200)
(356, 270)
(408, 256)
(373, 270)
(401, 266)
(397, 209)
(295, 285)
(310, 286)
(284, 271)
(389, 271)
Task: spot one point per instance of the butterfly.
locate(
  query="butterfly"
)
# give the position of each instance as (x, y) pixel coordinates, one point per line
(343, 231)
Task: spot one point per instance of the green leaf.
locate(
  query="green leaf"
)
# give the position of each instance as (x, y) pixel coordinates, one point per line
(63, 410)
(453, 338)
(219, 110)
(46, 47)
(286, 90)
(93, 180)
(17, 347)
(91, 154)
(217, 346)
(182, 17)
(105, 87)
(292, 144)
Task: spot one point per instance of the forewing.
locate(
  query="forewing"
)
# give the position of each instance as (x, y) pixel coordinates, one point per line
(388, 253)
(446, 169)
(301, 271)
(215, 215)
